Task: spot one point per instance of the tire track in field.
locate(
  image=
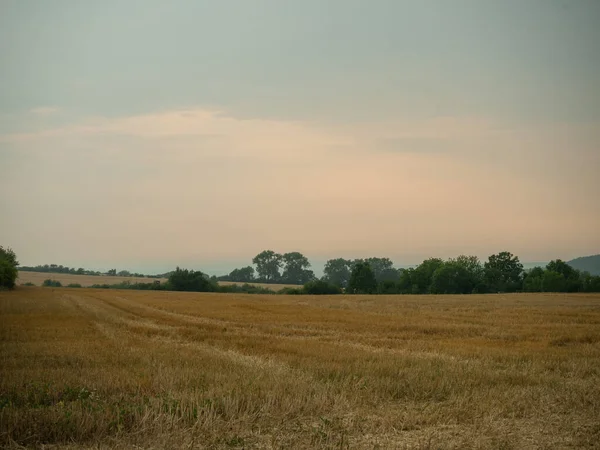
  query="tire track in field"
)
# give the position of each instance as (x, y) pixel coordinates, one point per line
(337, 338)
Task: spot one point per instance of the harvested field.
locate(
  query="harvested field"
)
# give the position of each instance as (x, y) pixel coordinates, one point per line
(130, 369)
(38, 278)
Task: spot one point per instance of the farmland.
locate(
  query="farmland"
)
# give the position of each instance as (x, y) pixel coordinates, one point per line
(120, 369)
(37, 278)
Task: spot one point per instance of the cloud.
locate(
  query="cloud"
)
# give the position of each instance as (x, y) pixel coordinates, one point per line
(44, 110)
(199, 185)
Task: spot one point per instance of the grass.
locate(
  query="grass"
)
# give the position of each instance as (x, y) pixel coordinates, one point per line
(124, 369)
(37, 278)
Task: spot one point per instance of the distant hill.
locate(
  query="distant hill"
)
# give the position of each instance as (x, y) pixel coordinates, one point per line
(589, 264)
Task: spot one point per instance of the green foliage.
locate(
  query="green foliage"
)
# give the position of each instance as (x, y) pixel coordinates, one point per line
(74, 285)
(268, 264)
(190, 280)
(51, 283)
(553, 282)
(29, 283)
(244, 289)
(362, 279)
(421, 276)
(337, 271)
(321, 287)
(245, 275)
(8, 274)
(451, 277)
(290, 291)
(296, 269)
(8, 268)
(383, 269)
(532, 280)
(504, 273)
(388, 287)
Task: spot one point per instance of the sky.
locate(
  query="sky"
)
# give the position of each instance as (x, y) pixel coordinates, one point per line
(144, 134)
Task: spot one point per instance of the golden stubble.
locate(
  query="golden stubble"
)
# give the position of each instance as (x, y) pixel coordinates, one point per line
(118, 369)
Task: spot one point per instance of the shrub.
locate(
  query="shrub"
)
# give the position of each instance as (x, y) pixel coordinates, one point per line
(52, 283)
(190, 280)
(290, 291)
(320, 287)
(74, 285)
(8, 268)
(29, 283)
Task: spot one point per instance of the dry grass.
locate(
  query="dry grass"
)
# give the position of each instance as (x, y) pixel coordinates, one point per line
(38, 278)
(130, 369)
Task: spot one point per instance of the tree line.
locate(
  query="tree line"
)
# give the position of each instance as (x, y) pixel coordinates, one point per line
(502, 272)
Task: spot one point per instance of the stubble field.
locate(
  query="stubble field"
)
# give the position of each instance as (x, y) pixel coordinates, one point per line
(131, 369)
(37, 278)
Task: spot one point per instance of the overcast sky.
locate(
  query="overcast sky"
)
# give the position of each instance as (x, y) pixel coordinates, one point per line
(144, 134)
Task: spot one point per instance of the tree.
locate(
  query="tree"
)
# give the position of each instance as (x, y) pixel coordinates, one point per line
(452, 277)
(296, 269)
(553, 282)
(8, 268)
(268, 264)
(337, 271)
(571, 275)
(320, 287)
(503, 272)
(532, 280)
(190, 280)
(243, 275)
(422, 275)
(383, 269)
(362, 279)
(112, 272)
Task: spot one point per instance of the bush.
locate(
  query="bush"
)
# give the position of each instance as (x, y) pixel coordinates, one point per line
(320, 287)
(51, 283)
(244, 289)
(191, 281)
(290, 291)
(8, 268)
(74, 285)
(29, 283)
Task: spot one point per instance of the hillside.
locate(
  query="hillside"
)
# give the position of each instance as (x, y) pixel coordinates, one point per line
(590, 264)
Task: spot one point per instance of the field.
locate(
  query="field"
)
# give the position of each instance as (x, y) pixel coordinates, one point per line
(130, 369)
(38, 278)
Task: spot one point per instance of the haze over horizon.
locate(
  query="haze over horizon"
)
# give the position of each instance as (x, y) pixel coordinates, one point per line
(144, 135)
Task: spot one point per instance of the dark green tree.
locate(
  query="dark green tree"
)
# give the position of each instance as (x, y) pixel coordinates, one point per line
(532, 280)
(243, 275)
(362, 279)
(320, 287)
(8, 268)
(571, 275)
(504, 272)
(296, 269)
(553, 282)
(383, 268)
(190, 280)
(337, 271)
(268, 264)
(422, 275)
(452, 277)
